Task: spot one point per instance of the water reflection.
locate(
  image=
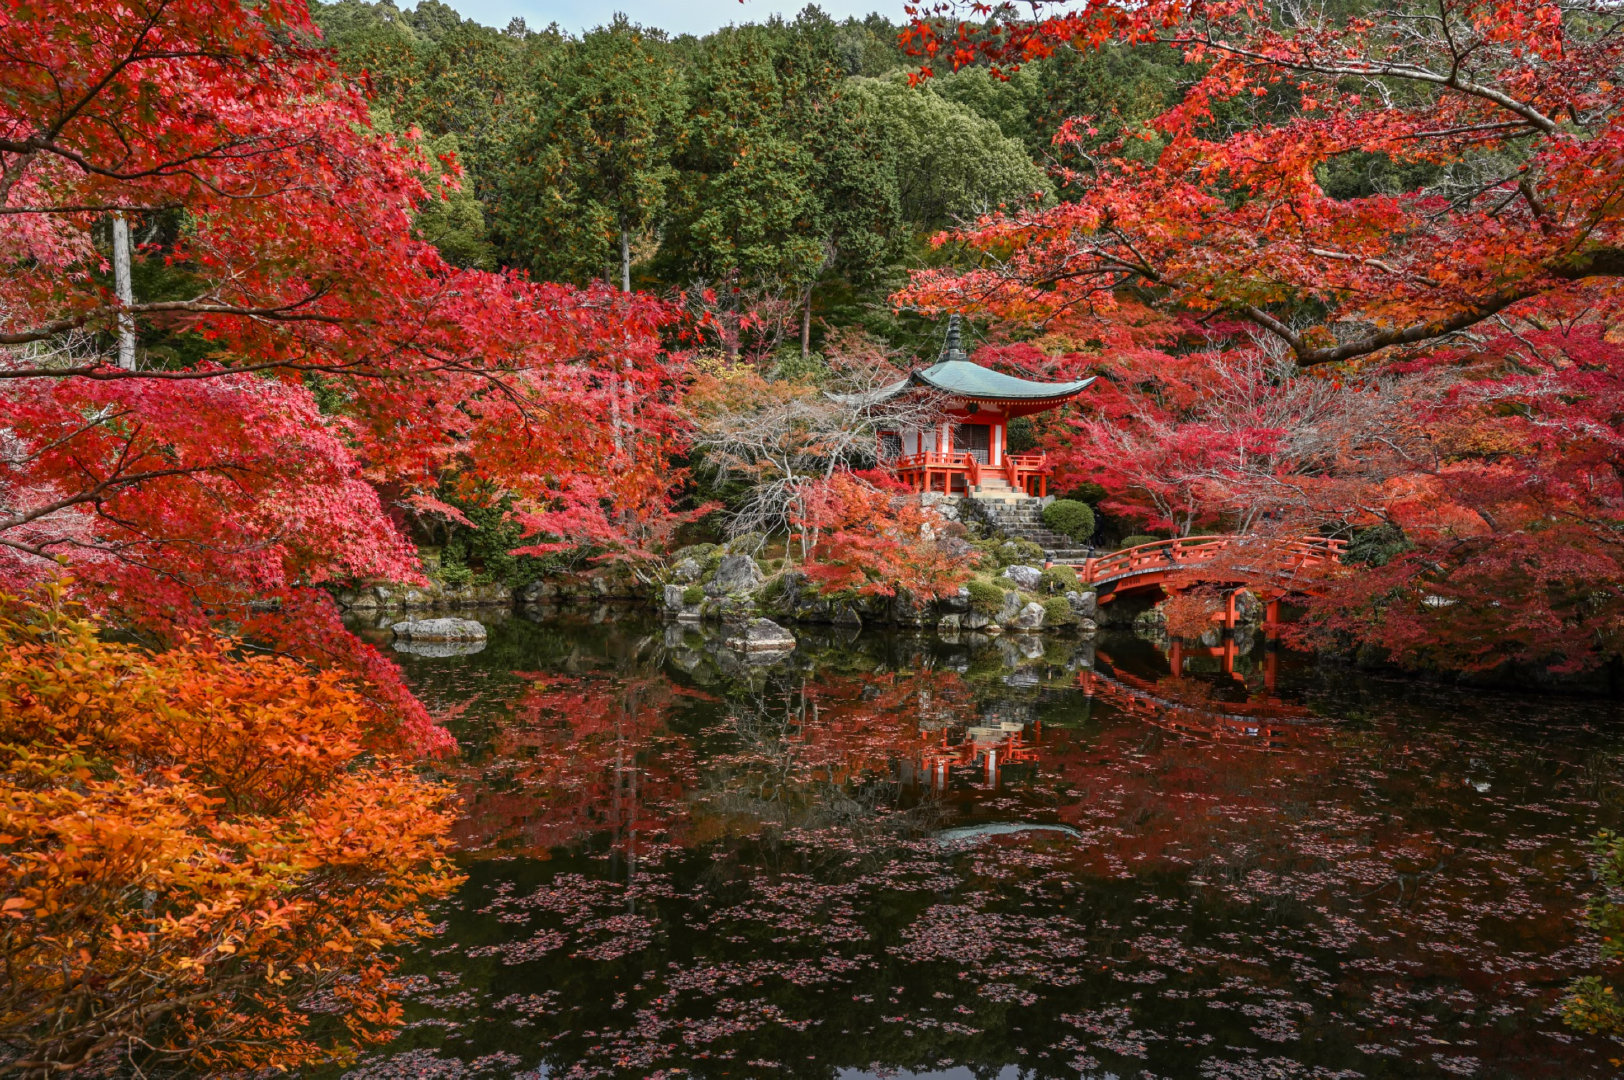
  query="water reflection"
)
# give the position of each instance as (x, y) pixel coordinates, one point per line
(897, 856)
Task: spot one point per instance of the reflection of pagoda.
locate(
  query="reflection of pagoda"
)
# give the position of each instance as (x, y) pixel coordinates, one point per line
(979, 756)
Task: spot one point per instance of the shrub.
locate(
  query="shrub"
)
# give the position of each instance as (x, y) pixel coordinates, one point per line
(1057, 612)
(693, 594)
(1377, 545)
(207, 858)
(986, 597)
(1137, 539)
(1592, 1004)
(1058, 578)
(1086, 492)
(1073, 519)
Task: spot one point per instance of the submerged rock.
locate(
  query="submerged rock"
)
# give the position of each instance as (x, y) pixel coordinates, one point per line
(418, 630)
(438, 648)
(762, 635)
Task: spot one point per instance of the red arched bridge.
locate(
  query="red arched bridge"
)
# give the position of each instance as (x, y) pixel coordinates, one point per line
(1289, 565)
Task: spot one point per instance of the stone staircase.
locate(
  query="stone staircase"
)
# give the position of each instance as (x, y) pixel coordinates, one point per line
(1019, 516)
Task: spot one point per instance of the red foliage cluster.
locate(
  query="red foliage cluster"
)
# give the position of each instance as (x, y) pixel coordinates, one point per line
(1442, 362)
(321, 354)
(868, 538)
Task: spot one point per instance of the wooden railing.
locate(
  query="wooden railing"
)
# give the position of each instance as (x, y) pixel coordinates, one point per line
(922, 470)
(1028, 472)
(1025, 472)
(1169, 554)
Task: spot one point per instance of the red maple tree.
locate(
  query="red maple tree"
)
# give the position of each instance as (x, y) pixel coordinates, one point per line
(326, 370)
(1472, 313)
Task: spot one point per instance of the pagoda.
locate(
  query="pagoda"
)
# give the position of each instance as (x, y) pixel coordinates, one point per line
(967, 453)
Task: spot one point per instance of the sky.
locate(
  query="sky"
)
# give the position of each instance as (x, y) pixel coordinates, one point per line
(676, 16)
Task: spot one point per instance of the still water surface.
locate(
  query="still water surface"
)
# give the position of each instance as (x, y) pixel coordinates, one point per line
(894, 856)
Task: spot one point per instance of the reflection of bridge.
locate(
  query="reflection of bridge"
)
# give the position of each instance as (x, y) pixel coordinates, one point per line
(1288, 565)
(1270, 720)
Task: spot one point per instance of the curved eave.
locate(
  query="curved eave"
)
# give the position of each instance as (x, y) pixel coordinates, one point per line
(1015, 404)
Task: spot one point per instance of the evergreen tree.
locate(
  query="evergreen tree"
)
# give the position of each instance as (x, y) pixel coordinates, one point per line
(592, 172)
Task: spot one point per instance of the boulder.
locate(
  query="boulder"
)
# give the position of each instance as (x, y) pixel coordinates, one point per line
(762, 635)
(687, 571)
(974, 620)
(958, 602)
(439, 630)
(1011, 608)
(1151, 620)
(1030, 617)
(1084, 605)
(846, 615)
(1087, 626)
(735, 574)
(948, 507)
(908, 610)
(1027, 577)
(948, 626)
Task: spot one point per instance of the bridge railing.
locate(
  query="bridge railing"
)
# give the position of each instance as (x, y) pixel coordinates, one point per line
(1189, 550)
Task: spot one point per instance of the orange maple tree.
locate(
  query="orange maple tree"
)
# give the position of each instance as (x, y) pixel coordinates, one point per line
(205, 856)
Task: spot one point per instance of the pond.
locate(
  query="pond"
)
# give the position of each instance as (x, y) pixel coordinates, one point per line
(889, 855)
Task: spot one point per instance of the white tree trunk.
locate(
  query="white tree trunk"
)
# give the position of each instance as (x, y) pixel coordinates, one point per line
(126, 296)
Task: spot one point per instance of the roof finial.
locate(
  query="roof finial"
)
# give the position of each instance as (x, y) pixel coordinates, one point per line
(952, 349)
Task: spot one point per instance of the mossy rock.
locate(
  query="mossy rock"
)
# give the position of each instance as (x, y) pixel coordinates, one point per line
(986, 597)
(693, 594)
(697, 552)
(1057, 612)
(1011, 552)
(1058, 579)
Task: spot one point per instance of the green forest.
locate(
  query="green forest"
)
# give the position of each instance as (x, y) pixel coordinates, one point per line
(789, 169)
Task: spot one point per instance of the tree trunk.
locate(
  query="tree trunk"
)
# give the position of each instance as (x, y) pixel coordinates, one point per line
(806, 324)
(126, 295)
(625, 260)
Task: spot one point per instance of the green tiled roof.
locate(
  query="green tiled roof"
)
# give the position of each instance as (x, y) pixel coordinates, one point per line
(961, 378)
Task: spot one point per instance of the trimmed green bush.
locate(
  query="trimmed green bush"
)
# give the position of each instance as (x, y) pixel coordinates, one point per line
(1058, 578)
(693, 594)
(986, 597)
(1136, 540)
(1056, 612)
(1073, 519)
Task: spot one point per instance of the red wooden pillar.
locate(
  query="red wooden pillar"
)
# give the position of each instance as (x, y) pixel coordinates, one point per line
(1175, 657)
(1271, 614)
(1231, 617)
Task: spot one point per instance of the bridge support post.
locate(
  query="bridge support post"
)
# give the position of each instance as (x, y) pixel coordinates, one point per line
(1231, 616)
(1271, 615)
